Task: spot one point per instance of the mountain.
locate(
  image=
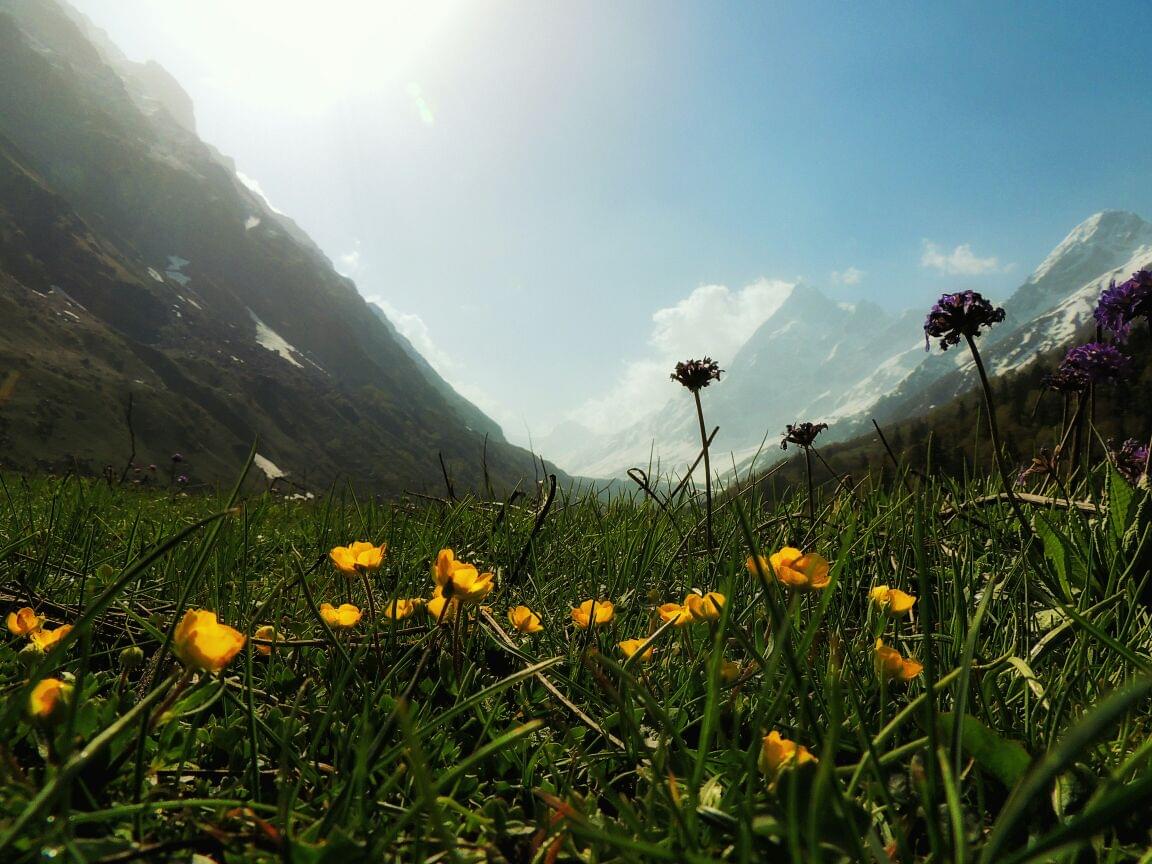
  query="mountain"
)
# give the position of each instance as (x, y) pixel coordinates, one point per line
(1043, 314)
(136, 264)
(844, 364)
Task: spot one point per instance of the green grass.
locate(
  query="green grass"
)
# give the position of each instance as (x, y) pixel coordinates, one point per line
(1025, 738)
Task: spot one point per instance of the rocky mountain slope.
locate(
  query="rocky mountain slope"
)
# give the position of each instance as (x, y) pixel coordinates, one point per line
(134, 262)
(814, 359)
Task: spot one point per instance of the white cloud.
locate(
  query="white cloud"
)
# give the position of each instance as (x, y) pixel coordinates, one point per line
(848, 276)
(254, 186)
(348, 264)
(413, 328)
(713, 320)
(961, 261)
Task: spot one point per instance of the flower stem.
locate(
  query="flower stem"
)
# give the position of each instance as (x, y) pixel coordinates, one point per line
(707, 469)
(177, 689)
(811, 496)
(994, 428)
(371, 612)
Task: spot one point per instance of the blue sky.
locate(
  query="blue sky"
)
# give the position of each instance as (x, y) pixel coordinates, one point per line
(526, 184)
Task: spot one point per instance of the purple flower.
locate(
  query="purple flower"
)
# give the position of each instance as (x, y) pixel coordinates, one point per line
(956, 316)
(177, 457)
(696, 374)
(182, 480)
(1131, 460)
(1120, 305)
(802, 434)
(1066, 379)
(1097, 362)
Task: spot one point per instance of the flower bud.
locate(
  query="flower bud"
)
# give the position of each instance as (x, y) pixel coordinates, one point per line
(131, 658)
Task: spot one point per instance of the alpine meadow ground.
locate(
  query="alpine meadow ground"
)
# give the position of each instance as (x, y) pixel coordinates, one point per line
(908, 678)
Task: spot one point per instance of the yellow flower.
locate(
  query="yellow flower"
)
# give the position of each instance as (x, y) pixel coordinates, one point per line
(892, 667)
(46, 640)
(631, 646)
(758, 564)
(468, 585)
(593, 612)
(777, 754)
(445, 563)
(24, 622)
(440, 607)
(340, 617)
(893, 601)
(358, 556)
(397, 609)
(795, 569)
(201, 642)
(48, 698)
(524, 619)
(707, 607)
(674, 612)
(729, 671)
(460, 581)
(268, 633)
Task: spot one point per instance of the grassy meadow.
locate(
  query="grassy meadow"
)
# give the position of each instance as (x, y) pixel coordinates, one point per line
(769, 728)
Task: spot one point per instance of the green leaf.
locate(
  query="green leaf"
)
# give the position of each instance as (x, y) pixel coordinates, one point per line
(1063, 555)
(1004, 759)
(1089, 731)
(1122, 503)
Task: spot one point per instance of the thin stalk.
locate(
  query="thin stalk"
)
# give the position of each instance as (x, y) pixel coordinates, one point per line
(811, 492)
(707, 469)
(1073, 430)
(994, 429)
(372, 612)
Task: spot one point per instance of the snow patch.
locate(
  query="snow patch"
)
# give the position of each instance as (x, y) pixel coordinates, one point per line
(274, 342)
(155, 274)
(251, 222)
(271, 471)
(176, 265)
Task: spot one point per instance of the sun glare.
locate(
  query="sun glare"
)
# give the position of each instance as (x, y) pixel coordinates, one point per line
(311, 55)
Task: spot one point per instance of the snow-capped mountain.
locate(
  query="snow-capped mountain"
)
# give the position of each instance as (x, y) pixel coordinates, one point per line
(1047, 312)
(814, 359)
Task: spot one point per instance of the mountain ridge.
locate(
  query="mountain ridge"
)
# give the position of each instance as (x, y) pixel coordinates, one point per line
(147, 268)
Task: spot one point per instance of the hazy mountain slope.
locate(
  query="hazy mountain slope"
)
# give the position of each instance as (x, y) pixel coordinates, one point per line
(472, 417)
(135, 260)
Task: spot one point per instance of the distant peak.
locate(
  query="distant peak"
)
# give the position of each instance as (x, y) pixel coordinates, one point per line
(1108, 229)
(1107, 222)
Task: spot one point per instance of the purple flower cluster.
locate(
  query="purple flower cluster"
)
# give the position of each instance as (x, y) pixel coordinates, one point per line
(1120, 305)
(697, 374)
(802, 434)
(1096, 363)
(1066, 379)
(957, 316)
(1131, 460)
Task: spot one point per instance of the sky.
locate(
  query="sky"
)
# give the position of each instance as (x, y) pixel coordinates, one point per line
(556, 200)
